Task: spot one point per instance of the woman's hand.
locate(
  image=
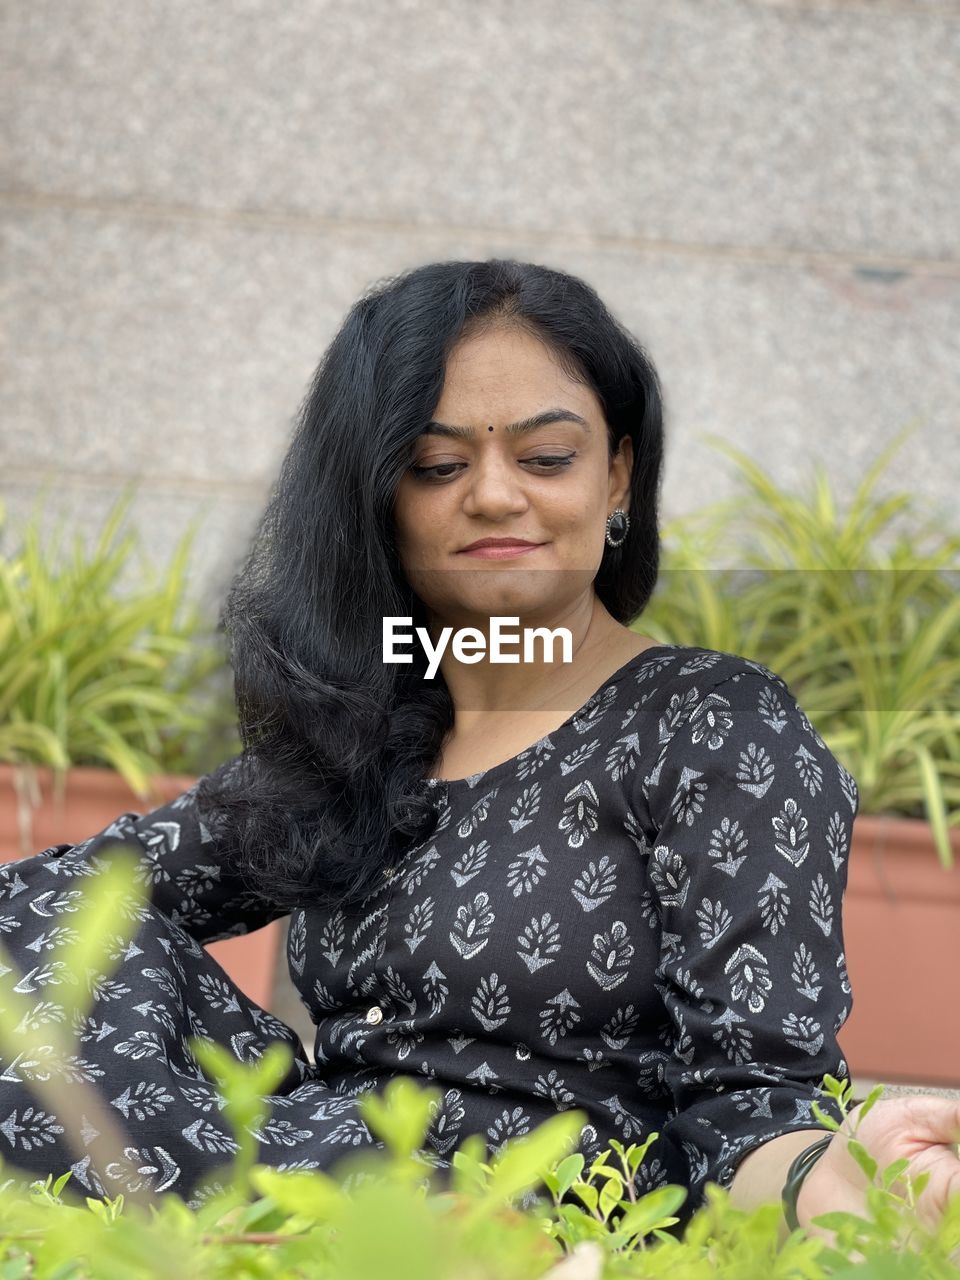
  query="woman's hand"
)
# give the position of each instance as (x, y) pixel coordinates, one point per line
(916, 1127)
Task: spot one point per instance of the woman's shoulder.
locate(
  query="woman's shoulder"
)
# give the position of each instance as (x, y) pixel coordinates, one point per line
(686, 686)
(687, 670)
(729, 710)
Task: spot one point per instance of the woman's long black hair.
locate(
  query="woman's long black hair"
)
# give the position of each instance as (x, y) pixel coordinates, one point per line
(328, 788)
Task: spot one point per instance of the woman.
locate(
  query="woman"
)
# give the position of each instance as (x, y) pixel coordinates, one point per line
(612, 883)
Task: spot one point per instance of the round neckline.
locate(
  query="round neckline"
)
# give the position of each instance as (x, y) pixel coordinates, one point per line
(474, 780)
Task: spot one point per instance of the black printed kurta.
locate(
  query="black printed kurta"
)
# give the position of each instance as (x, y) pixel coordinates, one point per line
(638, 916)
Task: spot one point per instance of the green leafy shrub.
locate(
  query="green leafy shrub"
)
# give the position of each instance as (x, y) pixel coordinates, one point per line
(95, 674)
(379, 1214)
(862, 622)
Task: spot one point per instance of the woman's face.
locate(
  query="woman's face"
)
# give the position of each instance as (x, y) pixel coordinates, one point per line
(553, 485)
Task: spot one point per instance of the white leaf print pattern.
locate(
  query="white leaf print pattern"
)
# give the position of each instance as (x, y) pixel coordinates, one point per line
(51, 974)
(610, 957)
(689, 797)
(218, 994)
(49, 939)
(533, 759)
(838, 845)
(144, 1167)
(805, 721)
(774, 903)
(714, 920)
(472, 926)
(804, 973)
(621, 759)
(804, 1032)
(679, 710)
(733, 1036)
(553, 1087)
(332, 938)
(711, 722)
(634, 830)
(418, 923)
(702, 661)
(727, 843)
(755, 773)
(323, 999)
(595, 884)
(490, 1004)
(539, 942)
(525, 808)
(350, 1133)
(559, 1016)
(749, 973)
(399, 991)
(626, 1121)
(580, 819)
(527, 870)
(618, 1029)
(811, 775)
(42, 1013)
(848, 786)
(281, 1133)
(594, 709)
(52, 903)
(470, 863)
(509, 1124)
(821, 904)
(297, 941)
(404, 1037)
(447, 1116)
(669, 876)
(423, 865)
(142, 1044)
(435, 988)
(770, 709)
(371, 928)
(207, 1137)
(579, 756)
(479, 811)
(791, 829)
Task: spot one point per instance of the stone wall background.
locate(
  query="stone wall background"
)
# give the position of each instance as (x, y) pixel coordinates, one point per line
(192, 195)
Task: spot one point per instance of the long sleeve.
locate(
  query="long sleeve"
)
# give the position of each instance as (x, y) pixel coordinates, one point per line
(752, 817)
(181, 861)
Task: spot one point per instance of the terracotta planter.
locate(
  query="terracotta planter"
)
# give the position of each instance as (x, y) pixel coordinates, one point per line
(901, 925)
(91, 800)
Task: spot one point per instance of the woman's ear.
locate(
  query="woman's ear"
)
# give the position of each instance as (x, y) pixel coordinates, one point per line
(621, 469)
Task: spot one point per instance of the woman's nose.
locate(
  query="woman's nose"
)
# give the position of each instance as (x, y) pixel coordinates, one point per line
(495, 487)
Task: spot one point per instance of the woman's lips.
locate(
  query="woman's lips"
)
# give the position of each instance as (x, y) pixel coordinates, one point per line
(502, 552)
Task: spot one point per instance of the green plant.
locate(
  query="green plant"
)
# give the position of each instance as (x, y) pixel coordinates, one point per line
(860, 619)
(101, 660)
(523, 1213)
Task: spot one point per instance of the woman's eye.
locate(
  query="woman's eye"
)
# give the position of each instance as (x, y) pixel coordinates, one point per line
(426, 472)
(557, 460)
(443, 470)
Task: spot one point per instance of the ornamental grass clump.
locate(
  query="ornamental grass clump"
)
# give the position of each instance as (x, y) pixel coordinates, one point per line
(103, 661)
(857, 609)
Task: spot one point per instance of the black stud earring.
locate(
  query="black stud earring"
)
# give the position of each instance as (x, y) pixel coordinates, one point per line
(618, 523)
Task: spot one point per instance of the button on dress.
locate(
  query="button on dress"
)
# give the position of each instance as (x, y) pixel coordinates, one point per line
(638, 916)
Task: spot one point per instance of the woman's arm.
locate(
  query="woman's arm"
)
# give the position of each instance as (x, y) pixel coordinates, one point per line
(760, 1175)
(182, 862)
(751, 818)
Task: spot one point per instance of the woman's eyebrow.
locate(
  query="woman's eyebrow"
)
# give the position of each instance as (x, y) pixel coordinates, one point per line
(514, 428)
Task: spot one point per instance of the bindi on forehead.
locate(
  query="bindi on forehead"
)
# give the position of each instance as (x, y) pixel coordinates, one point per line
(523, 427)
